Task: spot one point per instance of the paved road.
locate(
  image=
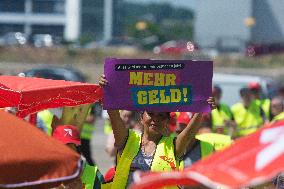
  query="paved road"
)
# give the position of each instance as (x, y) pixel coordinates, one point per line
(98, 147)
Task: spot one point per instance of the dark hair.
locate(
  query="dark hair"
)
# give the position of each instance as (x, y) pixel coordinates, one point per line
(217, 88)
(281, 89)
(244, 91)
(79, 149)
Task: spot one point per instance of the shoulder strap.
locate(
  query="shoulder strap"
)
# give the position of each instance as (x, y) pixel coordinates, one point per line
(89, 176)
(123, 163)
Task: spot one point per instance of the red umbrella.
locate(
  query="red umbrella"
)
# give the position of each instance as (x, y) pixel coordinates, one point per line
(252, 160)
(31, 95)
(29, 158)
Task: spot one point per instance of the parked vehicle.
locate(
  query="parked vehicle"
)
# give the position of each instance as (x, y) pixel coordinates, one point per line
(42, 40)
(175, 47)
(115, 42)
(232, 83)
(13, 39)
(58, 73)
(262, 49)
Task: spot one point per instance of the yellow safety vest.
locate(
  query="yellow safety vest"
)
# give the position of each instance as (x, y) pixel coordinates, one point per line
(210, 142)
(107, 127)
(248, 120)
(278, 117)
(164, 160)
(89, 176)
(46, 116)
(87, 130)
(265, 105)
(220, 115)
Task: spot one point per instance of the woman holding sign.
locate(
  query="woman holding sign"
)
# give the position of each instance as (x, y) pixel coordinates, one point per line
(151, 150)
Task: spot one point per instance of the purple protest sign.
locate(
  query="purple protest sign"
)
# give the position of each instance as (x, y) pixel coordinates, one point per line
(158, 85)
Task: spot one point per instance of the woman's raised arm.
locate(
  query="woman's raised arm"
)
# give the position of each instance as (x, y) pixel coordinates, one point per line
(187, 136)
(120, 132)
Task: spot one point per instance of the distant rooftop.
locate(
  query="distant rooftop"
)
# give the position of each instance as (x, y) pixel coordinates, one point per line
(179, 3)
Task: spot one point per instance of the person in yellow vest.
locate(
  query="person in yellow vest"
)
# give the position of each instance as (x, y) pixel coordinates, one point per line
(211, 142)
(277, 109)
(149, 150)
(86, 135)
(205, 144)
(264, 103)
(248, 115)
(49, 118)
(90, 177)
(46, 116)
(131, 120)
(221, 118)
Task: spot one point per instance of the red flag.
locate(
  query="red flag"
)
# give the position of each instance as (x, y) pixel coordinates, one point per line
(251, 160)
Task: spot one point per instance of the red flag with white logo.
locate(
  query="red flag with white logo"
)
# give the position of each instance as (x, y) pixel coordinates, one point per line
(251, 160)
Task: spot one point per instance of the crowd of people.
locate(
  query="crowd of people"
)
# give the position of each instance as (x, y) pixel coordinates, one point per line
(206, 133)
(152, 141)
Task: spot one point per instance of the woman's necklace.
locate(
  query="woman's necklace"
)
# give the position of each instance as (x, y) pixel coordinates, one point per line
(143, 149)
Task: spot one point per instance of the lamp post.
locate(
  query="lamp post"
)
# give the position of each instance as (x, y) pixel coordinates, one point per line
(249, 23)
(108, 19)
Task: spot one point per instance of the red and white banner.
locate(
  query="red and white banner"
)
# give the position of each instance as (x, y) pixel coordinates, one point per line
(251, 160)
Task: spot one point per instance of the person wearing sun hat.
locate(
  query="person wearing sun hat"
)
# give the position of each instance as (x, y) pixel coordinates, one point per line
(70, 136)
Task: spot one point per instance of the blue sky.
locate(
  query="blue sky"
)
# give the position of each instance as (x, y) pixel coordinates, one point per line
(179, 3)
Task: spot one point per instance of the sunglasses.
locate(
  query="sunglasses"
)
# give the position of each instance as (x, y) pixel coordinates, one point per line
(162, 115)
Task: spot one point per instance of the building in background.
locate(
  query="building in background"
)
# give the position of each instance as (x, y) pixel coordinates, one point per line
(60, 18)
(93, 18)
(269, 21)
(230, 25)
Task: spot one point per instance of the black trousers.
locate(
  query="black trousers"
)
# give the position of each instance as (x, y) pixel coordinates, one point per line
(86, 151)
